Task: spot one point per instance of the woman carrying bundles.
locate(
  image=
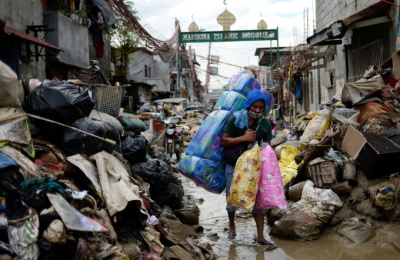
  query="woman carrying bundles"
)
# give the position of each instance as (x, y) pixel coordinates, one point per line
(248, 125)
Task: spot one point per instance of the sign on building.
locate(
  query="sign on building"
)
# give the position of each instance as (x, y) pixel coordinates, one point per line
(226, 36)
(213, 70)
(214, 59)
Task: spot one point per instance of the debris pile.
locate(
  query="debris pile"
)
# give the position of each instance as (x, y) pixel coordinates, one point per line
(75, 184)
(340, 164)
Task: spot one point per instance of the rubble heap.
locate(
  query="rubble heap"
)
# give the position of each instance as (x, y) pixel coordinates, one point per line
(74, 184)
(340, 164)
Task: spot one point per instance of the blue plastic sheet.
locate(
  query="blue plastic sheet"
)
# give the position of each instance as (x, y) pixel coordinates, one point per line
(206, 142)
(204, 162)
(209, 174)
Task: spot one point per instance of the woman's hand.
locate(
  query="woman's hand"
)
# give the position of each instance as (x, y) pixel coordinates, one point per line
(228, 141)
(250, 136)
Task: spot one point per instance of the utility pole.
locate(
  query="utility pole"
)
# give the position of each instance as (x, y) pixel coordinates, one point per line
(208, 71)
(178, 67)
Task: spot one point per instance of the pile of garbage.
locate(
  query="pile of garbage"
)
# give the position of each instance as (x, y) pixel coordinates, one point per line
(76, 184)
(340, 164)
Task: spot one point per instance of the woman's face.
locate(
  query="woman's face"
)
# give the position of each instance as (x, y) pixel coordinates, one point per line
(257, 106)
(256, 110)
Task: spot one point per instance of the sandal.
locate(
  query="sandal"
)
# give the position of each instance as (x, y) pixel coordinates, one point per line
(231, 233)
(270, 244)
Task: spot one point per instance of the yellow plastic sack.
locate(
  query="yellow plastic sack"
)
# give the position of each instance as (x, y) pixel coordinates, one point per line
(315, 128)
(245, 179)
(287, 164)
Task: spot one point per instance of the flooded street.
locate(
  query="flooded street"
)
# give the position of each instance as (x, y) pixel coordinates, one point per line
(213, 218)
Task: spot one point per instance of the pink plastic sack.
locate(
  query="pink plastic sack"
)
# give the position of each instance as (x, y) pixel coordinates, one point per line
(271, 193)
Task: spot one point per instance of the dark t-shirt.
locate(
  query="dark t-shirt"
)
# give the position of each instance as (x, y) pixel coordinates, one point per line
(264, 131)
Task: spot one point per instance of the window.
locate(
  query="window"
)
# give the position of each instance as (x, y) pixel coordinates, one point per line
(364, 56)
(147, 71)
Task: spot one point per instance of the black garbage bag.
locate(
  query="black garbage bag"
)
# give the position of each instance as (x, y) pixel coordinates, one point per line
(133, 148)
(162, 156)
(155, 172)
(63, 102)
(170, 194)
(75, 142)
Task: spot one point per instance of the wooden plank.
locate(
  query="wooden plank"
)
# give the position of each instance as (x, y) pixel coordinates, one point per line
(320, 66)
(370, 22)
(396, 65)
(320, 54)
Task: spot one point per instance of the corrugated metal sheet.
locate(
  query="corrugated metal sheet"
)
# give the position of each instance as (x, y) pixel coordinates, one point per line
(30, 38)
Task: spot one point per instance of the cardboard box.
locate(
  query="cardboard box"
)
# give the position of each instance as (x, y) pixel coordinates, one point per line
(397, 125)
(376, 155)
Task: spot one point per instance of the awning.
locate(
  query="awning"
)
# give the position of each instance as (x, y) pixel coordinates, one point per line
(30, 38)
(171, 100)
(161, 91)
(336, 31)
(140, 84)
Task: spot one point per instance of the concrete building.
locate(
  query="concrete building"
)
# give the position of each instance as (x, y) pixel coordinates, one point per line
(350, 36)
(51, 39)
(19, 48)
(149, 77)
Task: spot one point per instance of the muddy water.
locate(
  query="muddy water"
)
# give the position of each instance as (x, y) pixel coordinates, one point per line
(213, 218)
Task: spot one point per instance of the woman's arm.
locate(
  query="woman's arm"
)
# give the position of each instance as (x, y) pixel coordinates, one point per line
(227, 140)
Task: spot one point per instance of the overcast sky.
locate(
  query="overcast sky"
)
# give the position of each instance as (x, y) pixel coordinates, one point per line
(158, 17)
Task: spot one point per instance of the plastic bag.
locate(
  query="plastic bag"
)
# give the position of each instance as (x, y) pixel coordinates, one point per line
(14, 128)
(110, 119)
(208, 174)
(347, 116)
(243, 83)
(221, 100)
(11, 90)
(245, 179)
(203, 162)
(79, 142)
(271, 193)
(305, 218)
(316, 127)
(332, 155)
(133, 148)
(230, 100)
(171, 194)
(155, 172)
(356, 230)
(206, 143)
(59, 101)
(131, 123)
(280, 138)
(287, 164)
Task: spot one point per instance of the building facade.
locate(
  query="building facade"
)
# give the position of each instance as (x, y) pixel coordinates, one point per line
(57, 38)
(350, 36)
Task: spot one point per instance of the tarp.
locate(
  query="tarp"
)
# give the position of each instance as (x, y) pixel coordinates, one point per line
(115, 183)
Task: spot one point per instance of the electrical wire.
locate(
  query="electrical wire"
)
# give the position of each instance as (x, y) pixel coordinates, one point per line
(390, 3)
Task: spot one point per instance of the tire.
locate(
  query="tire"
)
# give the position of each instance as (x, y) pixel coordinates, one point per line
(178, 152)
(169, 150)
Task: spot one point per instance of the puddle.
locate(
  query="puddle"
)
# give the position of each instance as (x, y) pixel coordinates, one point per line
(214, 219)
